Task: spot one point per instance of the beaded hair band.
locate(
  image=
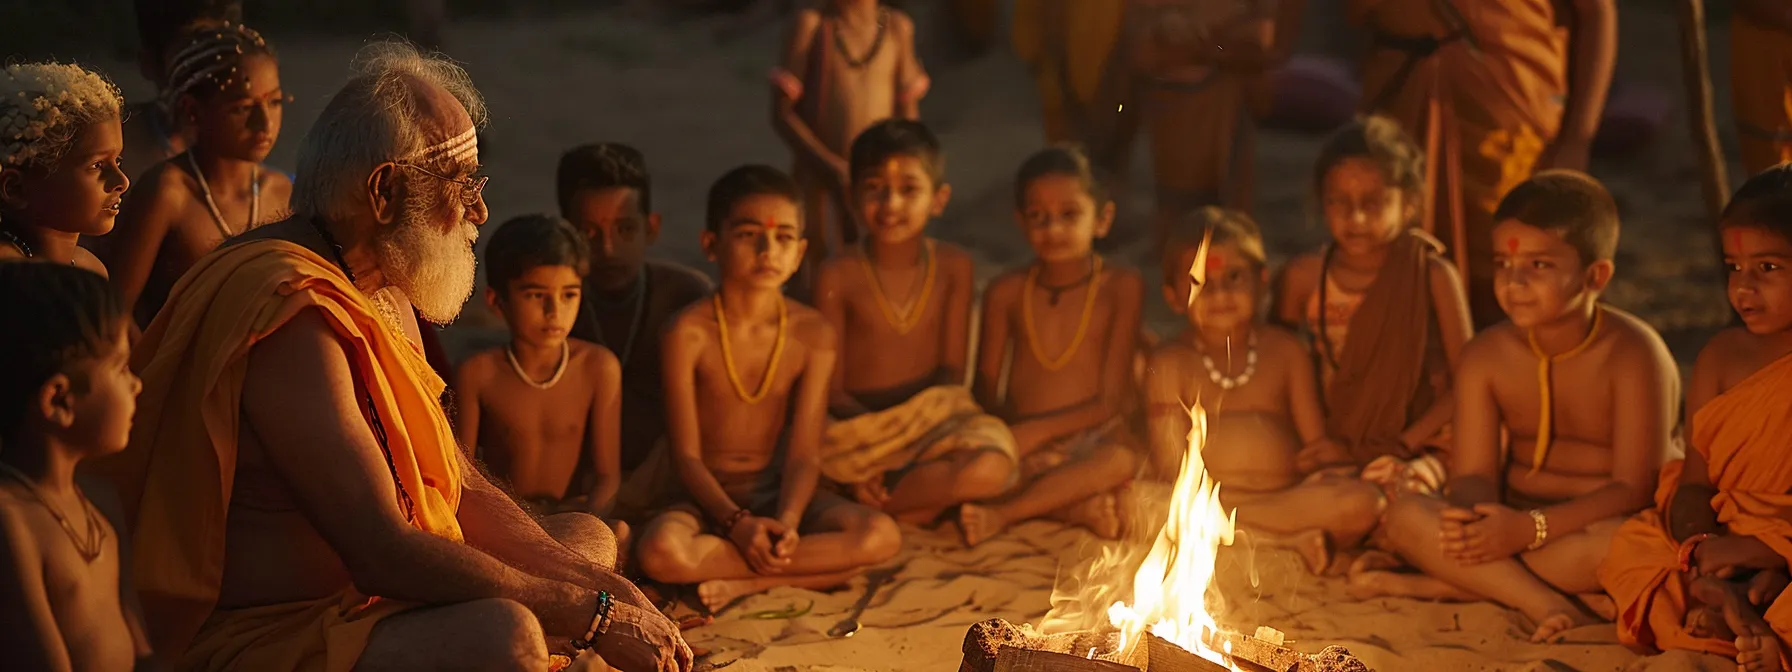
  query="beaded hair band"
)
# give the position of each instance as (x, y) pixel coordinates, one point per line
(212, 55)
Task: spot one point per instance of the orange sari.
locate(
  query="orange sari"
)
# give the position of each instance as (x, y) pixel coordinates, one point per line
(1761, 92)
(1743, 435)
(175, 480)
(1479, 85)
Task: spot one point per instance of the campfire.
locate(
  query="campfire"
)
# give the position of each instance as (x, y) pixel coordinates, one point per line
(1161, 617)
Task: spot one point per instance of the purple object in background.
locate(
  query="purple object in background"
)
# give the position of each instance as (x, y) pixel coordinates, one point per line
(1313, 94)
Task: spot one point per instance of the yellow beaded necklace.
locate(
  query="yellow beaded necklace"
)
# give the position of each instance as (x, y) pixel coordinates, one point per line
(905, 321)
(1545, 387)
(1082, 325)
(771, 367)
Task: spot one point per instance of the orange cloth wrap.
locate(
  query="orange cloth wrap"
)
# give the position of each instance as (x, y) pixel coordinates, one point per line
(1483, 110)
(175, 479)
(1743, 435)
(1761, 92)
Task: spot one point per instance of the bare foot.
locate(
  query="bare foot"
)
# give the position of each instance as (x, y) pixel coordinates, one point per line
(1707, 622)
(1757, 647)
(1758, 650)
(1766, 587)
(1378, 583)
(1554, 626)
(719, 594)
(1100, 514)
(1373, 561)
(1368, 585)
(978, 523)
(1311, 545)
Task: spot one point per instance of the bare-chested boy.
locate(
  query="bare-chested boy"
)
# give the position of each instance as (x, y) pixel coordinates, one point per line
(1584, 392)
(66, 394)
(606, 192)
(908, 435)
(747, 376)
(153, 132)
(225, 83)
(535, 407)
(1258, 389)
(845, 65)
(1066, 327)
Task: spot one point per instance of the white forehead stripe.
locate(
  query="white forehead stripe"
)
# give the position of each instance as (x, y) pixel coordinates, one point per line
(458, 148)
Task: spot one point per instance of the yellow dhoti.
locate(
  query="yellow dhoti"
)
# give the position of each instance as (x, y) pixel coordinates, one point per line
(938, 421)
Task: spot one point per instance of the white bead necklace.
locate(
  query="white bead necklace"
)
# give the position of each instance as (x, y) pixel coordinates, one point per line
(1250, 365)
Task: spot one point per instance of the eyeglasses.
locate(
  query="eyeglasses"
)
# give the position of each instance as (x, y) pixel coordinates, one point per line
(470, 186)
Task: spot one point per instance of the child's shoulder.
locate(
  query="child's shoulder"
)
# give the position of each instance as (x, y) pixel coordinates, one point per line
(1007, 285)
(593, 357)
(1494, 345)
(478, 367)
(1275, 341)
(164, 180)
(1304, 268)
(1122, 276)
(841, 267)
(1633, 338)
(810, 327)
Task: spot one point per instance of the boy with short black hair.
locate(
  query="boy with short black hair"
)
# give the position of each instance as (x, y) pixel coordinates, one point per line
(605, 190)
(747, 377)
(1585, 394)
(535, 407)
(909, 437)
(67, 394)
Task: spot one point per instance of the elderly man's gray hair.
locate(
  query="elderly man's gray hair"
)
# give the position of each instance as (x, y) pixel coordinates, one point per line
(372, 120)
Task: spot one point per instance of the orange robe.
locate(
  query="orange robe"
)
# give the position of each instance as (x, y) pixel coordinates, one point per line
(1201, 117)
(1743, 434)
(1484, 105)
(1070, 47)
(175, 480)
(1761, 92)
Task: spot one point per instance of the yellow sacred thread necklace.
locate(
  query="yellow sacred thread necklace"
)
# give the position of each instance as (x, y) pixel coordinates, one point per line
(1545, 387)
(907, 319)
(1082, 325)
(771, 367)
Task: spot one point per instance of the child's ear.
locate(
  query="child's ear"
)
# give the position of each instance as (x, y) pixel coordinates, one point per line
(1409, 209)
(1599, 274)
(941, 196)
(653, 227)
(1105, 220)
(495, 301)
(12, 188)
(55, 402)
(707, 240)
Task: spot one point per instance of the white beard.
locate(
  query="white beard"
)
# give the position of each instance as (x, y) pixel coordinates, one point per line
(434, 269)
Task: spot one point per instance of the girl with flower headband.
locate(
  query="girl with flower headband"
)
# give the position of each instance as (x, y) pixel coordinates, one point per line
(60, 143)
(224, 83)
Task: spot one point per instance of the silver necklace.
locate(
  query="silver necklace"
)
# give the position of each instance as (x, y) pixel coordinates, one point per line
(1250, 365)
(565, 354)
(218, 215)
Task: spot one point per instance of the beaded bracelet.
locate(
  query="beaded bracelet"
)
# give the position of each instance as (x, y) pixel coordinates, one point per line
(600, 622)
(1542, 523)
(1688, 547)
(733, 519)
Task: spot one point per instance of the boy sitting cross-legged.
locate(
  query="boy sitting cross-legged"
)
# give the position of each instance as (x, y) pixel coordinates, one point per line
(908, 436)
(535, 407)
(1585, 394)
(747, 376)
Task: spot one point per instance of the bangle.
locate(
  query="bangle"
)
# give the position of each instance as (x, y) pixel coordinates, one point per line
(733, 519)
(1688, 547)
(600, 622)
(1542, 523)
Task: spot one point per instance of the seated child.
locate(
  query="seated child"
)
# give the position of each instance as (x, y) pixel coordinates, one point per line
(1066, 326)
(534, 408)
(607, 194)
(66, 394)
(1706, 568)
(1257, 387)
(909, 438)
(225, 82)
(845, 65)
(59, 149)
(747, 377)
(1385, 312)
(152, 131)
(1585, 393)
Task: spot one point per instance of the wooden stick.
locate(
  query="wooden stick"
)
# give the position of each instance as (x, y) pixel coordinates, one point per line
(1029, 660)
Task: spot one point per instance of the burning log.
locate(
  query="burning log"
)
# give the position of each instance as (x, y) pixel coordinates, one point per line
(996, 645)
(1252, 653)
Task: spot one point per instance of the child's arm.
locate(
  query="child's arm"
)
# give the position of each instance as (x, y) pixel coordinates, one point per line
(604, 427)
(31, 638)
(911, 79)
(1592, 49)
(132, 246)
(1689, 510)
(1117, 385)
(468, 378)
(787, 89)
(955, 352)
(1293, 284)
(802, 462)
(832, 306)
(1167, 417)
(682, 345)
(1454, 327)
(1475, 473)
(992, 346)
(1318, 450)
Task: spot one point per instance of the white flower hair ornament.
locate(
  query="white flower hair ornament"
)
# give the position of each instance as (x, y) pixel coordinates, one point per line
(44, 105)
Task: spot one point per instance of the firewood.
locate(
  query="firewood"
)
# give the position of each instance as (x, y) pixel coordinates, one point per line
(1013, 659)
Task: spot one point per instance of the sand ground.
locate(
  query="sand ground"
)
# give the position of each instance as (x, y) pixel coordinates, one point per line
(698, 107)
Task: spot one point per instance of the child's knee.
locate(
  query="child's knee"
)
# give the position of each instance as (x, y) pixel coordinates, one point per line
(661, 556)
(1409, 521)
(879, 539)
(1358, 504)
(1119, 465)
(986, 475)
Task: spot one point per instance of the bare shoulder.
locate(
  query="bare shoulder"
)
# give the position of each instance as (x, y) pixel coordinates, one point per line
(478, 369)
(687, 283)
(163, 181)
(1124, 279)
(810, 328)
(1634, 341)
(1004, 288)
(805, 24)
(1722, 354)
(1493, 348)
(594, 358)
(15, 531)
(1303, 269)
(276, 186)
(86, 260)
(953, 258)
(835, 270)
(693, 325)
(1277, 342)
(902, 25)
(1169, 359)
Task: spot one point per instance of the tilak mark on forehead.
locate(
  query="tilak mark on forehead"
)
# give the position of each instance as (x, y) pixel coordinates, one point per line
(1512, 245)
(457, 149)
(1735, 237)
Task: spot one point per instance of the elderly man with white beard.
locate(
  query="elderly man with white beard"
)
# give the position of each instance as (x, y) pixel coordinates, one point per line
(295, 493)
